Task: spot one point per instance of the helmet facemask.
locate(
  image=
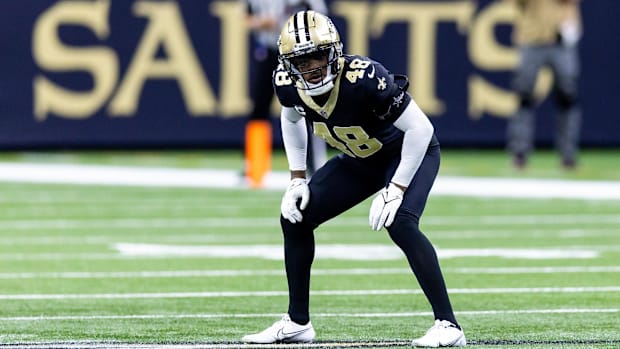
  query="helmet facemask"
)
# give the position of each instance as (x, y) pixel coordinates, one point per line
(306, 38)
(297, 64)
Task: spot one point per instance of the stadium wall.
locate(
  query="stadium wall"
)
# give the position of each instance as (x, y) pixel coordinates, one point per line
(171, 74)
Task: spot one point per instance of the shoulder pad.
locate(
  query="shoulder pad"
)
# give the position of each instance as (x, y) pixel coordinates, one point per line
(284, 87)
(365, 73)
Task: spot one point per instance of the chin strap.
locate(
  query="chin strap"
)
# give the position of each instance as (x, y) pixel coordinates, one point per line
(317, 91)
(322, 87)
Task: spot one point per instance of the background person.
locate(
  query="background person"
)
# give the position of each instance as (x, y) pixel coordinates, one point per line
(546, 33)
(265, 19)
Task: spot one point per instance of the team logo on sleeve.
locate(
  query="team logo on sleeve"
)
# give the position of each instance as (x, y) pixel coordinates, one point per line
(398, 100)
(300, 110)
(381, 85)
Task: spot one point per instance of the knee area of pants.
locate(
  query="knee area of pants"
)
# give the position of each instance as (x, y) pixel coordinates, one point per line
(286, 225)
(404, 223)
(294, 229)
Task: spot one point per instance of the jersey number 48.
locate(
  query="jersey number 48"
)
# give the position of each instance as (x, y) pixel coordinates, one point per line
(352, 140)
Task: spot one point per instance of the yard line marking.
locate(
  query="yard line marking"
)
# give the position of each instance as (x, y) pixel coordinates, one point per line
(193, 222)
(177, 238)
(324, 251)
(348, 315)
(527, 188)
(122, 208)
(59, 256)
(41, 198)
(343, 251)
(144, 274)
(315, 272)
(136, 223)
(534, 270)
(227, 294)
(119, 175)
(188, 238)
(278, 180)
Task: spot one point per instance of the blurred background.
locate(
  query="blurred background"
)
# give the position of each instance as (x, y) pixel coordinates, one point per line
(108, 74)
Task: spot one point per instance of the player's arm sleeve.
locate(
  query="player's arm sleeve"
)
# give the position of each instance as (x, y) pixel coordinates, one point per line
(295, 138)
(387, 93)
(418, 133)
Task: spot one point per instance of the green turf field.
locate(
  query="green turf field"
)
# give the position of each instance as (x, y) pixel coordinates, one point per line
(104, 264)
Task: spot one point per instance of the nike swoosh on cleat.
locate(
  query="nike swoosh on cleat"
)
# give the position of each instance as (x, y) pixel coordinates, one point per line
(372, 73)
(282, 334)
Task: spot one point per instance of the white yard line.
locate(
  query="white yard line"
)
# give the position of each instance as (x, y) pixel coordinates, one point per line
(315, 272)
(327, 315)
(196, 178)
(324, 251)
(117, 175)
(534, 270)
(149, 274)
(163, 295)
(273, 221)
(268, 235)
(527, 188)
(345, 251)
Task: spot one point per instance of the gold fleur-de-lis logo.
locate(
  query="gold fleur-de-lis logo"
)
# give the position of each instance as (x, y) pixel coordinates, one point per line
(381, 85)
(398, 100)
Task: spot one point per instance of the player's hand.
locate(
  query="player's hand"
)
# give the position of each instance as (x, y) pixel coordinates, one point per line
(384, 207)
(297, 189)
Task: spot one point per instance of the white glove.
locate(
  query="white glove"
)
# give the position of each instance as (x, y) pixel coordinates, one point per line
(297, 188)
(384, 207)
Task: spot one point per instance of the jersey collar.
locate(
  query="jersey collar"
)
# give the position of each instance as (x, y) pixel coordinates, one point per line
(326, 110)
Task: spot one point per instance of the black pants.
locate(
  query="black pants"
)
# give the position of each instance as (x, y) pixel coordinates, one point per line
(343, 183)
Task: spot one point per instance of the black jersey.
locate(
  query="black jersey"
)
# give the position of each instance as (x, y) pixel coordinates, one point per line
(358, 117)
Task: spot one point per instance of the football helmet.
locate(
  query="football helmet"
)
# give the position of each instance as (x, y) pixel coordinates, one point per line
(310, 36)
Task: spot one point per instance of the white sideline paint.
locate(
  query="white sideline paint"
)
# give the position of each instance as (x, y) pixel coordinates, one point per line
(347, 315)
(229, 294)
(341, 252)
(196, 178)
(527, 188)
(280, 272)
(116, 175)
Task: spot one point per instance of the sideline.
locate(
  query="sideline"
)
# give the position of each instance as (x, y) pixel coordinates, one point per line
(210, 178)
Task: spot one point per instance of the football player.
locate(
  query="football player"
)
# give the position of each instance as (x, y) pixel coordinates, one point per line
(388, 146)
